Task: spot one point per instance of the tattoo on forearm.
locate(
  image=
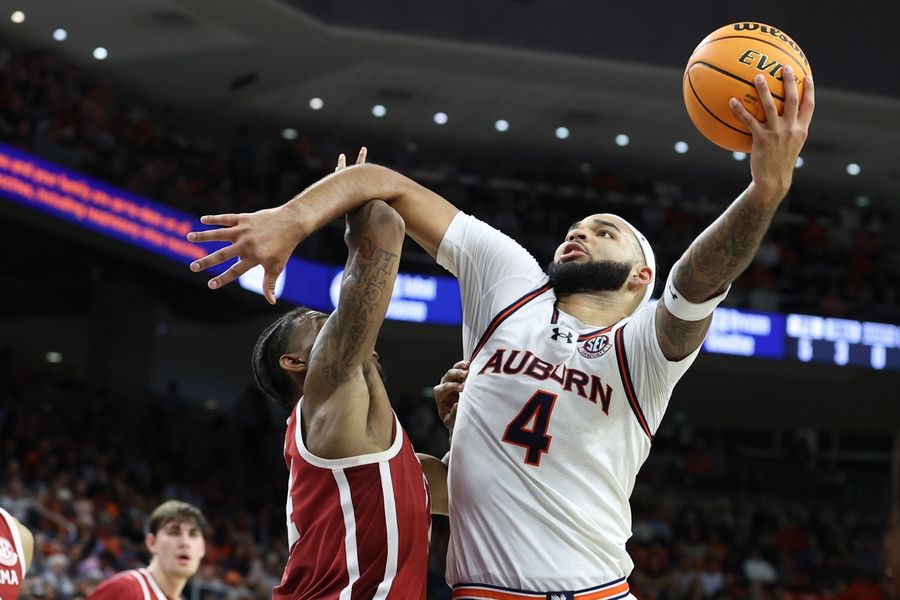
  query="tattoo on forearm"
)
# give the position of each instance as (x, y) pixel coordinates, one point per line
(724, 250)
(713, 261)
(362, 296)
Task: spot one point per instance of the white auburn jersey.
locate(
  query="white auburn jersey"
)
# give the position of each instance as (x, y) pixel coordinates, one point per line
(555, 421)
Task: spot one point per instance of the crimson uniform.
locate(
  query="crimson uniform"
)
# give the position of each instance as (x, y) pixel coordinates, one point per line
(358, 527)
(12, 558)
(136, 584)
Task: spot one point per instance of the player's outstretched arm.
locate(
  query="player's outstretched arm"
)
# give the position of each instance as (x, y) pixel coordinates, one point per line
(722, 252)
(344, 347)
(268, 237)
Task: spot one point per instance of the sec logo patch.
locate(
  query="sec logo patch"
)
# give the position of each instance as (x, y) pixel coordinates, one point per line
(595, 347)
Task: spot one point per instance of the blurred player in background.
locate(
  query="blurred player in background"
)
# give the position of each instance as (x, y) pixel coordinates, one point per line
(358, 504)
(16, 548)
(176, 538)
(575, 357)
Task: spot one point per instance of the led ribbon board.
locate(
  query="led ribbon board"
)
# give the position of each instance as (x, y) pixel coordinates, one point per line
(43, 186)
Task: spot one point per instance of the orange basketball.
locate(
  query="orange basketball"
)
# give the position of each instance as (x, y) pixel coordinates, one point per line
(723, 67)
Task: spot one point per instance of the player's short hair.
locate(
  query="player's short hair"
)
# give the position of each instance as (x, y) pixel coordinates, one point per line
(176, 511)
(273, 342)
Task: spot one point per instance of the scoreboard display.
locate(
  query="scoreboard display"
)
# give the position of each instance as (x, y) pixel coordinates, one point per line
(804, 338)
(842, 342)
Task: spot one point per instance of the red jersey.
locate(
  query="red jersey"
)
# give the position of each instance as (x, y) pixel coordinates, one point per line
(358, 527)
(136, 584)
(12, 558)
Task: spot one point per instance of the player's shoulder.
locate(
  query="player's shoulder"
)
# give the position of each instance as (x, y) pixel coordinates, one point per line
(125, 585)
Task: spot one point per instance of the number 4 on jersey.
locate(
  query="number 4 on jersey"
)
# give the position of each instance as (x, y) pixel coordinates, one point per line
(529, 428)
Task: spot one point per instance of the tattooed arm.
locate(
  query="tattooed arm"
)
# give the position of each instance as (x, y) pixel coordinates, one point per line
(727, 247)
(337, 394)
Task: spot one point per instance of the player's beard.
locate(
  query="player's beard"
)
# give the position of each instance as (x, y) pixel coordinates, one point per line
(593, 276)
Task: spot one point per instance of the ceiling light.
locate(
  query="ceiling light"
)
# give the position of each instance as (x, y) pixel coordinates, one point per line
(54, 358)
(441, 118)
(289, 133)
(501, 125)
(562, 132)
(739, 155)
(681, 147)
(17, 17)
(863, 201)
(799, 162)
(379, 110)
(853, 169)
(100, 53)
(622, 140)
(316, 103)
(60, 34)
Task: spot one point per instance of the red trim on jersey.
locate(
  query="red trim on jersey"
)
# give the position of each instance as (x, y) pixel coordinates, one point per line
(506, 313)
(613, 590)
(589, 336)
(625, 374)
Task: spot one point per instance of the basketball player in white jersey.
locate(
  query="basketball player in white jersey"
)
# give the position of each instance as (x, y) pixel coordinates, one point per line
(176, 538)
(16, 548)
(570, 372)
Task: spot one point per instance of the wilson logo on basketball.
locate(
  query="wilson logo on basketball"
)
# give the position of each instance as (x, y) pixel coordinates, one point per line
(8, 556)
(775, 33)
(595, 347)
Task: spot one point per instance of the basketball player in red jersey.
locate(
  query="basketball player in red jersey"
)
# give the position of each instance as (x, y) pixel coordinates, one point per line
(16, 547)
(176, 539)
(358, 505)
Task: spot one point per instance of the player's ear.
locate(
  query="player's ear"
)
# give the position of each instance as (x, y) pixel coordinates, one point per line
(292, 363)
(150, 542)
(645, 275)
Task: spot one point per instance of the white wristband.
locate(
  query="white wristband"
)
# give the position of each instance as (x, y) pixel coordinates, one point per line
(683, 308)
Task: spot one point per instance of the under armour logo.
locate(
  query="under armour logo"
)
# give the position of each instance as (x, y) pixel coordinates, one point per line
(557, 334)
(672, 291)
(560, 596)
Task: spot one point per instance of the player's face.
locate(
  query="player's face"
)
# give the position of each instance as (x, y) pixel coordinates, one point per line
(178, 548)
(597, 238)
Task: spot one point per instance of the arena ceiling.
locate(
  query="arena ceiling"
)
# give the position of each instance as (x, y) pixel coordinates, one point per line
(598, 68)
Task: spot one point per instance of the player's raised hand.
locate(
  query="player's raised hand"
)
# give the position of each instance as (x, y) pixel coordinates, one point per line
(446, 393)
(778, 140)
(266, 237)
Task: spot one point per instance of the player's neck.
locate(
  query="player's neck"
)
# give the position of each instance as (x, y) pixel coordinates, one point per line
(594, 308)
(170, 585)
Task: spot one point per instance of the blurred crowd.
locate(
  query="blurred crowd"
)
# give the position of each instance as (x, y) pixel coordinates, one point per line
(83, 468)
(831, 256)
(790, 526)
